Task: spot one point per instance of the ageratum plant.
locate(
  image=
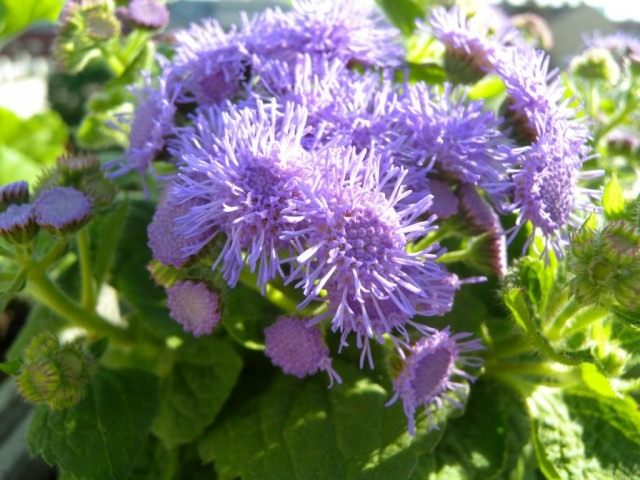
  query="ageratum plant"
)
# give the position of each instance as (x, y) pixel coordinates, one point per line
(316, 246)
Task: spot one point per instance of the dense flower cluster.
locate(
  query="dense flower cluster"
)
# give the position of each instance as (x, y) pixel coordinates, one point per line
(301, 158)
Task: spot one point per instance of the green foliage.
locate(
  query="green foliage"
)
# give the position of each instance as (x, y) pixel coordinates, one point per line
(28, 145)
(203, 375)
(403, 13)
(16, 15)
(298, 429)
(613, 200)
(101, 437)
(585, 436)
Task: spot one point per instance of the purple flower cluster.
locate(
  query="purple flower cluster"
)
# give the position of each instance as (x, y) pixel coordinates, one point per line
(301, 159)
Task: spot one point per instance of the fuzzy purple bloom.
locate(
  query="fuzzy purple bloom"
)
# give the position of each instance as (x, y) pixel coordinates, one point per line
(244, 168)
(16, 192)
(148, 14)
(210, 64)
(62, 209)
(194, 306)
(18, 223)
(349, 31)
(353, 244)
(445, 203)
(298, 349)
(460, 137)
(165, 243)
(433, 373)
(150, 125)
(471, 48)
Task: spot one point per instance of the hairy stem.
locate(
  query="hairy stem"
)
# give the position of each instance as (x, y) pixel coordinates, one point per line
(84, 254)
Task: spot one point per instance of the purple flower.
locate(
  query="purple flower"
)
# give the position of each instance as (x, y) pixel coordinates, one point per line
(210, 64)
(298, 348)
(546, 190)
(433, 373)
(165, 243)
(460, 137)
(151, 124)
(62, 209)
(16, 192)
(17, 223)
(348, 30)
(194, 307)
(354, 245)
(445, 203)
(148, 13)
(470, 45)
(244, 168)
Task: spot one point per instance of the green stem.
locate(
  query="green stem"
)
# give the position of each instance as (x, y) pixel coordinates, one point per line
(511, 348)
(84, 253)
(558, 323)
(455, 256)
(439, 234)
(40, 286)
(585, 319)
(630, 106)
(53, 254)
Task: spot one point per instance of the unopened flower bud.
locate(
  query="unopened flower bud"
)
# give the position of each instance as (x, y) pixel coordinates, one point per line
(298, 349)
(596, 64)
(606, 266)
(148, 14)
(18, 223)
(535, 29)
(62, 209)
(42, 346)
(38, 382)
(613, 361)
(194, 306)
(14, 193)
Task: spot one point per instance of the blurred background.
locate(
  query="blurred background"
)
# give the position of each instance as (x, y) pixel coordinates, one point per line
(40, 105)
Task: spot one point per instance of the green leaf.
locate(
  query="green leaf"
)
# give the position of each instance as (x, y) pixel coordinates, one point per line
(613, 199)
(515, 301)
(488, 87)
(487, 441)
(299, 429)
(101, 437)
(585, 436)
(431, 73)
(106, 232)
(132, 279)
(195, 390)
(16, 15)
(28, 145)
(596, 381)
(245, 316)
(403, 13)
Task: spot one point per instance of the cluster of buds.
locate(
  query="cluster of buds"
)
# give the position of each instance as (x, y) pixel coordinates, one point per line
(606, 266)
(53, 374)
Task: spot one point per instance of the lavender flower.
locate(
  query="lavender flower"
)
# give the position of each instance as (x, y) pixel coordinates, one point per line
(62, 209)
(433, 373)
(349, 31)
(17, 223)
(16, 192)
(460, 137)
(470, 48)
(210, 65)
(445, 203)
(298, 349)
(194, 307)
(165, 243)
(148, 14)
(244, 169)
(354, 241)
(151, 124)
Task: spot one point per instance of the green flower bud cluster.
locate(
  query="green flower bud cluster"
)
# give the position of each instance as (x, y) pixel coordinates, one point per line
(85, 27)
(596, 64)
(53, 374)
(606, 266)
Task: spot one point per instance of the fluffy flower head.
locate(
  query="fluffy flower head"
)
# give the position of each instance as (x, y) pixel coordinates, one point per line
(194, 306)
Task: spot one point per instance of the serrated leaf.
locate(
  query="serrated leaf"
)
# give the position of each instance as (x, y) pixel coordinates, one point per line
(245, 316)
(101, 437)
(299, 429)
(613, 199)
(585, 436)
(487, 441)
(195, 390)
